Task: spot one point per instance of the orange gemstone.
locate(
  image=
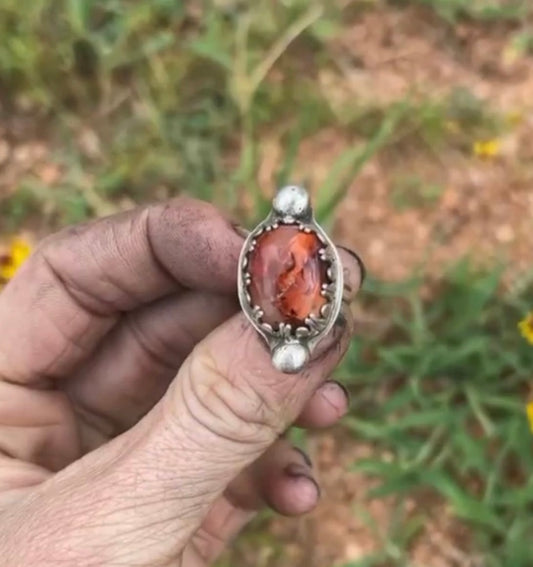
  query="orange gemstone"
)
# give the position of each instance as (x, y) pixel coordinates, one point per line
(287, 275)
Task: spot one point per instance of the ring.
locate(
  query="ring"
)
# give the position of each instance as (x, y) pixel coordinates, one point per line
(290, 280)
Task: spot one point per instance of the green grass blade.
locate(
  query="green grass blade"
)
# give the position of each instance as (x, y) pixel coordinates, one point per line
(350, 162)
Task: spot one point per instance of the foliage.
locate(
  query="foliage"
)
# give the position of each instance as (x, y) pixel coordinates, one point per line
(147, 100)
(159, 97)
(440, 392)
(166, 92)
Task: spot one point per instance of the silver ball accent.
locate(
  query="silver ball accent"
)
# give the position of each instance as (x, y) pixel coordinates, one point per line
(292, 201)
(290, 358)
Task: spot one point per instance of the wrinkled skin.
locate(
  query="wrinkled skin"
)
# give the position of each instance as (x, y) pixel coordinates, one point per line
(140, 415)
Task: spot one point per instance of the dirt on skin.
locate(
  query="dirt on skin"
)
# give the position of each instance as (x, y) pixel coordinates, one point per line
(484, 208)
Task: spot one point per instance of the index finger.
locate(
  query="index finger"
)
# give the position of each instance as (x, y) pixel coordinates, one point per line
(78, 282)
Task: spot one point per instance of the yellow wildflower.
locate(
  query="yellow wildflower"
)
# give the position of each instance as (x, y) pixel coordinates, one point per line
(487, 148)
(529, 411)
(526, 327)
(19, 250)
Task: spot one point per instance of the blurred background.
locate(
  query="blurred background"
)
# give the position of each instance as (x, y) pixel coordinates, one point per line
(410, 121)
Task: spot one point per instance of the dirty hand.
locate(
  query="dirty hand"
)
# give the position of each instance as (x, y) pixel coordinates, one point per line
(140, 415)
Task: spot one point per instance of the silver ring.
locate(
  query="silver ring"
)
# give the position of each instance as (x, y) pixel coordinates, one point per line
(290, 280)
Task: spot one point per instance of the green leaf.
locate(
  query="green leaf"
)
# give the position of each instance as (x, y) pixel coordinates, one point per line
(209, 49)
(78, 15)
(464, 505)
(350, 163)
(284, 175)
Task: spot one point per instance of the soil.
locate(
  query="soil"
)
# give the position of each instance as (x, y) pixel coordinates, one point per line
(484, 208)
(347, 525)
(485, 205)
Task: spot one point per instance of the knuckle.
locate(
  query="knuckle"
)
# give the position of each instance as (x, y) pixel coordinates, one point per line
(207, 544)
(155, 348)
(186, 231)
(185, 212)
(225, 400)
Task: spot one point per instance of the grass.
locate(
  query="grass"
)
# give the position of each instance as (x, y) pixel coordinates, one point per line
(110, 79)
(145, 100)
(441, 388)
(187, 85)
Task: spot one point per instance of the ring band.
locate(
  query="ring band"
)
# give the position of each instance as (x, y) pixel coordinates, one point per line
(290, 280)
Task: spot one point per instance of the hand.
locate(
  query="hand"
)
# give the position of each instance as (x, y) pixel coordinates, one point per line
(140, 415)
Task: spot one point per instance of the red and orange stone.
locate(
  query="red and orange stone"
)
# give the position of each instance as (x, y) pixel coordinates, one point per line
(287, 275)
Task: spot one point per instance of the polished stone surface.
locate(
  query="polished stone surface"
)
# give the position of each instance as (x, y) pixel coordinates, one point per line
(287, 275)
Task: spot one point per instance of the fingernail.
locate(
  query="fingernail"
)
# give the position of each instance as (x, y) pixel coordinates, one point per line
(295, 470)
(358, 260)
(305, 457)
(240, 230)
(344, 389)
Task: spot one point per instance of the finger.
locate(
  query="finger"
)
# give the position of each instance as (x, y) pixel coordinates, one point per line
(17, 480)
(123, 380)
(133, 367)
(286, 480)
(227, 405)
(357, 275)
(126, 377)
(354, 273)
(37, 426)
(73, 289)
(282, 479)
(328, 404)
(223, 524)
(225, 408)
(278, 480)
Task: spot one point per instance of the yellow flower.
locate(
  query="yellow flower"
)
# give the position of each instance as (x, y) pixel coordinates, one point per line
(529, 411)
(526, 327)
(487, 148)
(19, 250)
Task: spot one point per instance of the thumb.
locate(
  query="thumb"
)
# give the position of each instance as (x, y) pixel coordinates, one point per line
(140, 498)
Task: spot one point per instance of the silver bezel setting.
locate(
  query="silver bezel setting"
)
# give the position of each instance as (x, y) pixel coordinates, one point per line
(292, 347)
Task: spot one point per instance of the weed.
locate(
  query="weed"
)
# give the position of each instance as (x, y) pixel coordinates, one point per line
(412, 192)
(164, 97)
(170, 94)
(443, 391)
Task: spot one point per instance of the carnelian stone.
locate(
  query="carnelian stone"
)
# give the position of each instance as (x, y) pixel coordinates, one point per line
(287, 275)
